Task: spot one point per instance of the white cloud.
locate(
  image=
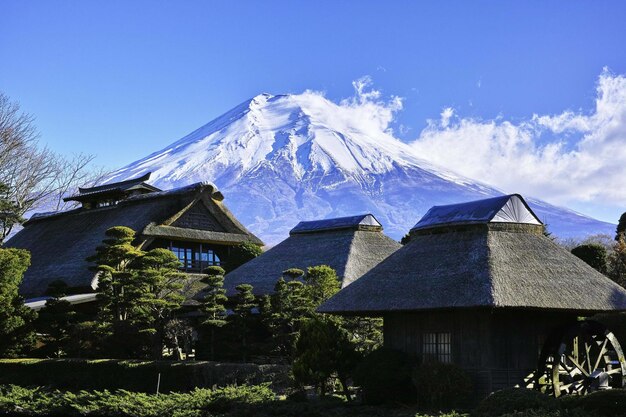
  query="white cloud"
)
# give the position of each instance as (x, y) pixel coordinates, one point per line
(366, 111)
(446, 115)
(563, 158)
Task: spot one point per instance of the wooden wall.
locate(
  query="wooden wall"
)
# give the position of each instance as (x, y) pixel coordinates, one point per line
(498, 348)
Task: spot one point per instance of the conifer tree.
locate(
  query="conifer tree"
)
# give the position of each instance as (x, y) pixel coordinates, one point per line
(245, 303)
(283, 312)
(159, 284)
(118, 289)
(10, 212)
(57, 320)
(617, 262)
(594, 255)
(243, 253)
(16, 331)
(214, 303)
(323, 351)
(621, 227)
(322, 283)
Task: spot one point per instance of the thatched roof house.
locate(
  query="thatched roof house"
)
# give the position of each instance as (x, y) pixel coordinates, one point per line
(192, 221)
(487, 253)
(350, 245)
(480, 286)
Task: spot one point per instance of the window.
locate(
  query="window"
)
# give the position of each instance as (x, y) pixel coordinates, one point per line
(194, 257)
(207, 257)
(106, 203)
(184, 256)
(437, 347)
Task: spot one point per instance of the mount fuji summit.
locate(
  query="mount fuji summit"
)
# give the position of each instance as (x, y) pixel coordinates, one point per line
(285, 158)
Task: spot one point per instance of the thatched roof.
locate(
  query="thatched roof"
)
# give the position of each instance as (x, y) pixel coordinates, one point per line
(350, 245)
(479, 264)
(138, 185)
(61, 242)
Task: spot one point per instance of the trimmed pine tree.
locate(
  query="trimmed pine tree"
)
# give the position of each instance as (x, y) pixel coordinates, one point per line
(214, 304)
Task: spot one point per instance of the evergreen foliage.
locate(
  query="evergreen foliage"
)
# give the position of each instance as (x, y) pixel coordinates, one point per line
(595, 255)
(245, 303)
(138, 293)
(283, 313)
(441, 386)
(119, 293)
(293, 273)
(10, 212)
(16, 331)
(515, 400)
(322, 283)
(57, 321)
(243, 253)
(405, 239)
(621, 227)
(214, 303)
(159, 282)
(617, 262)
(385, 377)
(324, 351)
(366, 332)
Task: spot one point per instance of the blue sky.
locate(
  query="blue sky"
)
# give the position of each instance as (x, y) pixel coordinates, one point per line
(121, 79)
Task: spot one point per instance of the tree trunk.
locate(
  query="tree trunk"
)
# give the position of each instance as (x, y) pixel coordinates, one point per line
(344, 384)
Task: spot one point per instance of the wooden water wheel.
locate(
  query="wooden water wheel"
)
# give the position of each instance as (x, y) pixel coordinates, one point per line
(580, 358)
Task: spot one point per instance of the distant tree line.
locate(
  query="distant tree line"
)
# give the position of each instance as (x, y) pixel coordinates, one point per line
(609, 261)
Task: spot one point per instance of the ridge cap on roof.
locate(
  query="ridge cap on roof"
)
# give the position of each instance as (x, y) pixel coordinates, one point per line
(499, 202)
(199, 186)
(112, 185)
(335, 223)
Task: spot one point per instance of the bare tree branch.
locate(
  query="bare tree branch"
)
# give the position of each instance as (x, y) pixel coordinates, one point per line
(34, 176)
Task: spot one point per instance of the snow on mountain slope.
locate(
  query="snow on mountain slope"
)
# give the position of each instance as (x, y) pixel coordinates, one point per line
(282, 159)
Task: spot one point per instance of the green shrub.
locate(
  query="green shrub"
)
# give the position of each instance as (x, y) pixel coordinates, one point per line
(441, 385)
(385, 377)
(515, 399)
(600, 403)
(15, 401)
(137, 376)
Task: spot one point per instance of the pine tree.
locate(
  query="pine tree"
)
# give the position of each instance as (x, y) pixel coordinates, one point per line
(214, 303)
(322, 283)
(16, 331)
(9, 212)
(365, 332)
(243, 253)
(617, 262)
(118, 290)
(324, 351)
(621, 227)
(159, 283)
(57, 321)
(245, 303)
(282, 313)
(593, 254)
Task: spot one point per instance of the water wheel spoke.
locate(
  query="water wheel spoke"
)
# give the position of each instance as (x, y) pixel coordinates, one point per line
(614, 371)
(601, 355)
(586, 362)
(577, 365)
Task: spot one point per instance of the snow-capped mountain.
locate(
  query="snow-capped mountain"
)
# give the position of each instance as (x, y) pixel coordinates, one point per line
(282, 159)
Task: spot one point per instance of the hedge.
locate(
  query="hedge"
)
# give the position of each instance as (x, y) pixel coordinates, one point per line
(242, 401)
(137, 376)
(19, 401)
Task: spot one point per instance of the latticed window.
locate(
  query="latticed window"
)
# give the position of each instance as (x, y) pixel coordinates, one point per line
(194, 257)
(437, 347)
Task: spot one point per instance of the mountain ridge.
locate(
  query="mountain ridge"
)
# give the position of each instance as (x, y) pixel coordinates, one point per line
(280, 159)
